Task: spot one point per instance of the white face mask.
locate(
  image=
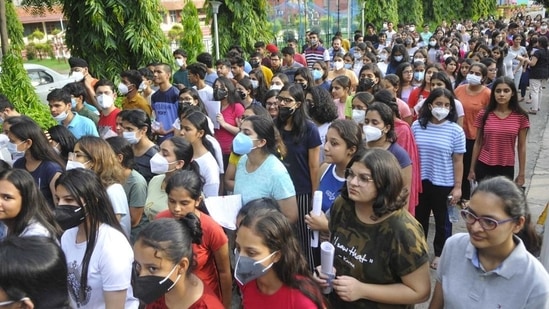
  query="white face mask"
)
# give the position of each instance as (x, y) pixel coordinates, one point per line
(159, 164)
(77, 76)
(275, 87)
(61, 117)
(75, 164)
(105, 101)
(440, 113)
(180, 62)
(398, 58)
(358, 116)
(142, 86)
(473, 79)
(255, 83)
(372, 134)
(338, 65)
(131, 137)
(123, 89)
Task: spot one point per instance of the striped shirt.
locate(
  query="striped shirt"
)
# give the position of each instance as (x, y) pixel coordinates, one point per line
(312, 55)
(436, 145)
(499, 137)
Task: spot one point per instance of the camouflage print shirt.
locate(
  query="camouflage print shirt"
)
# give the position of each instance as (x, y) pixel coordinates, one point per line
(379, 253)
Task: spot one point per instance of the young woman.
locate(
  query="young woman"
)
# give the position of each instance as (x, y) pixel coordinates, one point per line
(99, 256)
(164, 253)
(62, 140)
(433, 51)
(270, 270)
(441, 145)
(278, 81)
(136, 128)
(360, 104)
(259, 83)
(194, 128)
(303, 143)
(405, 73)
(271, 103)
(398, 56)
(501, 126)
(175, 153)
(419, 73)
(518, 54)
(370, 269)
(134, 184)
(224, 91)
(24, 210)
(461, 74)
(391, 82)
(422, 92)
(31, 280)
(94, 153)
(539, 61)
(474, 97)
(340, 70)
(304, 78)
(341, 94)
(190, 96)
(39, 158)
(320, 75)
(184, 191)
(384, 59)
(379, 132)
(496, 212)
(369, 78)
(420, 55)
(321, 110)
(245, 91)
(343, 141)
(257, 142)
(451, 68)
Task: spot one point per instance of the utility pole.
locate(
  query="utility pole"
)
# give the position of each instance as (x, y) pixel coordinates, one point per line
(3, 29)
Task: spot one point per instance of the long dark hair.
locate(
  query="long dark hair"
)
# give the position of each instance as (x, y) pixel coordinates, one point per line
(265, 129)
(65, 138)
(386, 173)
(231, 89)
(387, 116)
(34, 207)
(514, 105)
(40, 149)
(34, 267)
(299, 118)
(425, 113)
(138, 118)
(277, 234)
(200, 122)
(192, 182)
(89, 193)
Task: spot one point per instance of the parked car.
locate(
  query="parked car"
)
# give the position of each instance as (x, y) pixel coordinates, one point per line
(44, 80)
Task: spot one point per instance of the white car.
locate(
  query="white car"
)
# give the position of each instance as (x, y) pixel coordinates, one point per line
(44, 80)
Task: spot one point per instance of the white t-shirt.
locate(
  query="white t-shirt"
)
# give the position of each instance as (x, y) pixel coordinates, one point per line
(119, 202)
(218, 154)
(206, 93)
(209, 170)
(110, 267)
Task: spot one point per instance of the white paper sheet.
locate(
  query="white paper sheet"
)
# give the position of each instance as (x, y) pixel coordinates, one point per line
(224, 209)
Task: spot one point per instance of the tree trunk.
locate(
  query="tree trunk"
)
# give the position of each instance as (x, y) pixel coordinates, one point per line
(3, 28)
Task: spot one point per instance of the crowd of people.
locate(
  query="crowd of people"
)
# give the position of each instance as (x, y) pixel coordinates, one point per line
(108, 208)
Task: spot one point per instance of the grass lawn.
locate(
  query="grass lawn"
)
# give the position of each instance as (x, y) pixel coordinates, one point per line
(54, 64)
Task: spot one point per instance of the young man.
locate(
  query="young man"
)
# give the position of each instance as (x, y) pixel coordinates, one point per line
(181, 76)
(129, 86)
(316, 52)
(80, 73)
(223, 68)
(299, 58)
(59, 101)
(261, 48)
(6, 108)
(164, 103)
(197, 72)
(237, 68)
(255, 61)
(145, 88)
(105, 95)
(207, 60)
(78, 95)
(276, 62)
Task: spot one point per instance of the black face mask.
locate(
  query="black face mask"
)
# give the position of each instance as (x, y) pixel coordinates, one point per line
(68, 216)
(242, 94)
(254, 64)
(303, 86)
(365, 84)
(150, 288)
(284, 113)
(220, 94)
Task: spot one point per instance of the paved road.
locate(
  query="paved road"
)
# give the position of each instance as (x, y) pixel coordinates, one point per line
(537, 172)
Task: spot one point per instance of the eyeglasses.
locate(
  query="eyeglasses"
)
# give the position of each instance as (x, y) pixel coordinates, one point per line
(9, 302)
(487, 224)
(185, 102)
(272, 104)
(284, 100)
(407, 72)
(362, 178)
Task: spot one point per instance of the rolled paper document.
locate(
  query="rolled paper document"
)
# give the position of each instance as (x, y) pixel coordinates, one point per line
(317, 210)
(327, 251)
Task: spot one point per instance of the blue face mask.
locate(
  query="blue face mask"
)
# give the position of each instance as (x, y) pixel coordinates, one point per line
(348, 66)
(73, 103)
(242, 144)
(419, 76)
(317, 74)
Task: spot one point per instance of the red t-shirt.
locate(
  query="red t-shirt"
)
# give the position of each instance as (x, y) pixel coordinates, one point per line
(213, 238)
(406, 140)
(224, 137)
(499, 137)
(284, 298)
(416, 96)
(208, 300)
(108, 120)
(472, 105)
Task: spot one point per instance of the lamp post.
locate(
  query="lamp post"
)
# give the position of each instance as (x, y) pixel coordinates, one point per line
(215, 9)
(362, 19)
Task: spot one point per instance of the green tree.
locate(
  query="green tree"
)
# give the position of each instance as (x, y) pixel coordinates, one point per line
(14, 81)
(242, 22)
(378, 11)
(191, 40)
(175, 33)
(410, 12)
(36, 35)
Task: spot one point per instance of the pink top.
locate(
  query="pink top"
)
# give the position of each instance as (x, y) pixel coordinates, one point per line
(406, 140)
(499, 137)
(224, 137)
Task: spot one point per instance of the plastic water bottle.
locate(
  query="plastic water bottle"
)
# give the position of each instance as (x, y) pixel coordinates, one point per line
(453, 210)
